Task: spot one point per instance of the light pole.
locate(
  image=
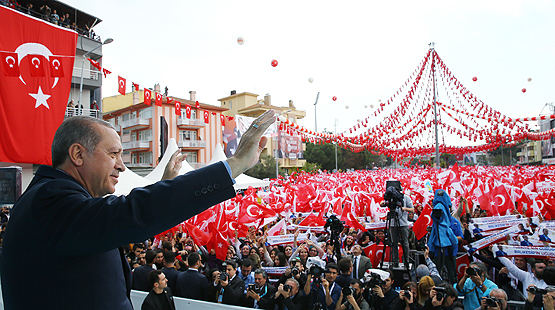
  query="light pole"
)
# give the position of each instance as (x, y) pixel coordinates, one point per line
(315, 103)
(107, 41)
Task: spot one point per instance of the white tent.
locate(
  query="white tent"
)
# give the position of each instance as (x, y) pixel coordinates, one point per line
(128, 180)
(158, 172)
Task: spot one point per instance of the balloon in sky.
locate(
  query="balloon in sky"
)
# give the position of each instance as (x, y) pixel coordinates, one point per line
(475, 79)
(524, 90)
(365, 106)
(346, 107)
(334, 98)
(379, 100)
(529, 79)
(371, 106)
(310, 79)
(240, 40)
(274, 63)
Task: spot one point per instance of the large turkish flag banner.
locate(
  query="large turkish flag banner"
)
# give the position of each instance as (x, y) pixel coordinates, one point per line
(33, 107)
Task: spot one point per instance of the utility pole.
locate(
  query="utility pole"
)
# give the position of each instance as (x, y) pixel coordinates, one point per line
(432, 45)
(315, 103)
(336, 146)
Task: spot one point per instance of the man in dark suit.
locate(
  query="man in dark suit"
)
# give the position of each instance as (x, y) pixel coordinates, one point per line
(361, 263)
(228, 287)
(140, 274)
(344, 278)
(259, 293)
(191, 283)
(288, 295)
(160, 296)
(69, 211)
(169, 270)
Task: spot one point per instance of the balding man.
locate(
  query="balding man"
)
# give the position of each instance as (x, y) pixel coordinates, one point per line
(69, 211)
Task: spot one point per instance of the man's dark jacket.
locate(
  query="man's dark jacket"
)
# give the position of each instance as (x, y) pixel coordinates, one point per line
(152, 302)
(268, 291)
(171, 275)
(78, 236)
(140, 278)
(193, 285)
(233, 293)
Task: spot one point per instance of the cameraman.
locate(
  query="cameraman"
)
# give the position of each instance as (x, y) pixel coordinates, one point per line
(443, 297)
(327, 293)
(538, 299)
(259, 293)
(399, 206)
(474, 285)
(296, 271)
(227, 287)
(288, 296)
(497, 300)
(353, 297)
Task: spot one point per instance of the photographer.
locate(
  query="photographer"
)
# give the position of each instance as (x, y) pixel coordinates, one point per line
(351, 297)
(288, 296)
(296, 271)
(227, 287)
(378, 284)
(540, 298)
(443, 297)
(474, 285)
(407, 298)
(399, 205)
(323, 291)
(259, 293)
(497, 300)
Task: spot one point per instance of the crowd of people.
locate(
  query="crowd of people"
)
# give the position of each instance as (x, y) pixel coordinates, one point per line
(347, 280)
(52, 15)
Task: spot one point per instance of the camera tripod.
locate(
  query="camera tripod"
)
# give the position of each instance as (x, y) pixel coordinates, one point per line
(392, 215)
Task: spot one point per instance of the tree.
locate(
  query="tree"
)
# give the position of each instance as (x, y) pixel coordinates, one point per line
(265, 168)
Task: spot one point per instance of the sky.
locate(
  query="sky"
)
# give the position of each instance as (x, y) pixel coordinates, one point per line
(358, 51)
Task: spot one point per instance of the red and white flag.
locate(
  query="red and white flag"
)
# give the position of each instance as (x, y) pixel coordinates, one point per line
(11, 63)
(188, 111)
(278, 228)
(206, 116)
(147, 96)
(222, 119)
(177, 108)
(121, 85)
(197, 105)
(56, 69)
(158, 101)
(422, 223)
(32, 106)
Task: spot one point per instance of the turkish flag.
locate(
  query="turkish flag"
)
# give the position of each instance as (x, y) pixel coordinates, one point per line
(313, 221)
(135, 86)
(32, 107)
(422, 223)
(206, 116)
(147, 96)
(106, 72)
(11, 63)
(158, 101)
(169, 99)
(121, 85)
(95, 64)
(222, 119)
(218, 242)
(462, 262)
(36, 65)
(250, 211)
(177, 108)
(188, 110)
(197, 105)
(199, 236)
(56, 69)
(502, 201)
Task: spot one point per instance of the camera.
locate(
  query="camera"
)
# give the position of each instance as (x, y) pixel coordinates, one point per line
(347, 291)
(223, 276)
(287, 288)
(334, 224)
(253, 287)
(393, 197)
(373, 279)
(440, 292)
(472, 271)
(316, 267)
(492, 302)
(536, 290)
(295, 271)
(406, 293)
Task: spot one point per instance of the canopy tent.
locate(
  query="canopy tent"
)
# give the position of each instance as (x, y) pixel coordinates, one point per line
(158, 172)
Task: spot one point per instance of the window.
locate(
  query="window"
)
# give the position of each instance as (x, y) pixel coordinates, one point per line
(187, 135)
(145, 135)
(126, 131)
(126, 117)
(191, 157)
(145, 158)
(112, 121)
(134, 136)
(230, 105)
(145, 113)
(193, 114)
(133, 158)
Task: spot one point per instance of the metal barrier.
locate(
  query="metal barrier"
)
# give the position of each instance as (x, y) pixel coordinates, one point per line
(77, 111)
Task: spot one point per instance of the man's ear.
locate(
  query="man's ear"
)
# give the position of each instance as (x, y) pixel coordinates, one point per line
(76, 152)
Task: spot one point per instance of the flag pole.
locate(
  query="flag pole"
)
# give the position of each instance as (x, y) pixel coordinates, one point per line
(432, 45)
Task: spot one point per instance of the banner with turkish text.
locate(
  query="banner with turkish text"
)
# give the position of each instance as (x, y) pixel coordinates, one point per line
(34, 91)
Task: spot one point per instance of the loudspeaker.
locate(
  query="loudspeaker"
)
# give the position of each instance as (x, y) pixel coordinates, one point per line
(400, 276)
(10, 184)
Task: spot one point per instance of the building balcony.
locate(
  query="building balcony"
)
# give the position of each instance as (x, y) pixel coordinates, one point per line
(136, 123)
(197, 165)
(70, 112)
(136, 145)
(196, 144)
(188, 123)
(142, 165)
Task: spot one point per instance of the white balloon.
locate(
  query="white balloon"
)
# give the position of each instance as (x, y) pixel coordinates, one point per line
(371, 106)
(529, 79)
(310, 79)
(346, 107)
(379, 100)
(240, 40)
(365, 106)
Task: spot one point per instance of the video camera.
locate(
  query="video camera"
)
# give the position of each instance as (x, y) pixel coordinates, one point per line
(492, 302)
(334, 224)
(393, 196)
(536, 290)
(316, 267)
(254, 287)
(223, 274)
(373, 279)
(347, 291)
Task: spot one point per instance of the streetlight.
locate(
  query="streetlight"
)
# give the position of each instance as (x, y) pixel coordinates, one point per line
(107, 41)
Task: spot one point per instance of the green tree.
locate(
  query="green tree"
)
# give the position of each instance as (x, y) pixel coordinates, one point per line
(265, 168)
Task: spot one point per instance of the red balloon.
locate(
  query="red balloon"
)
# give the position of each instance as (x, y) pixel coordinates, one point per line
(524, 90)
(274, 63)
(334, 98)
(475, 79)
